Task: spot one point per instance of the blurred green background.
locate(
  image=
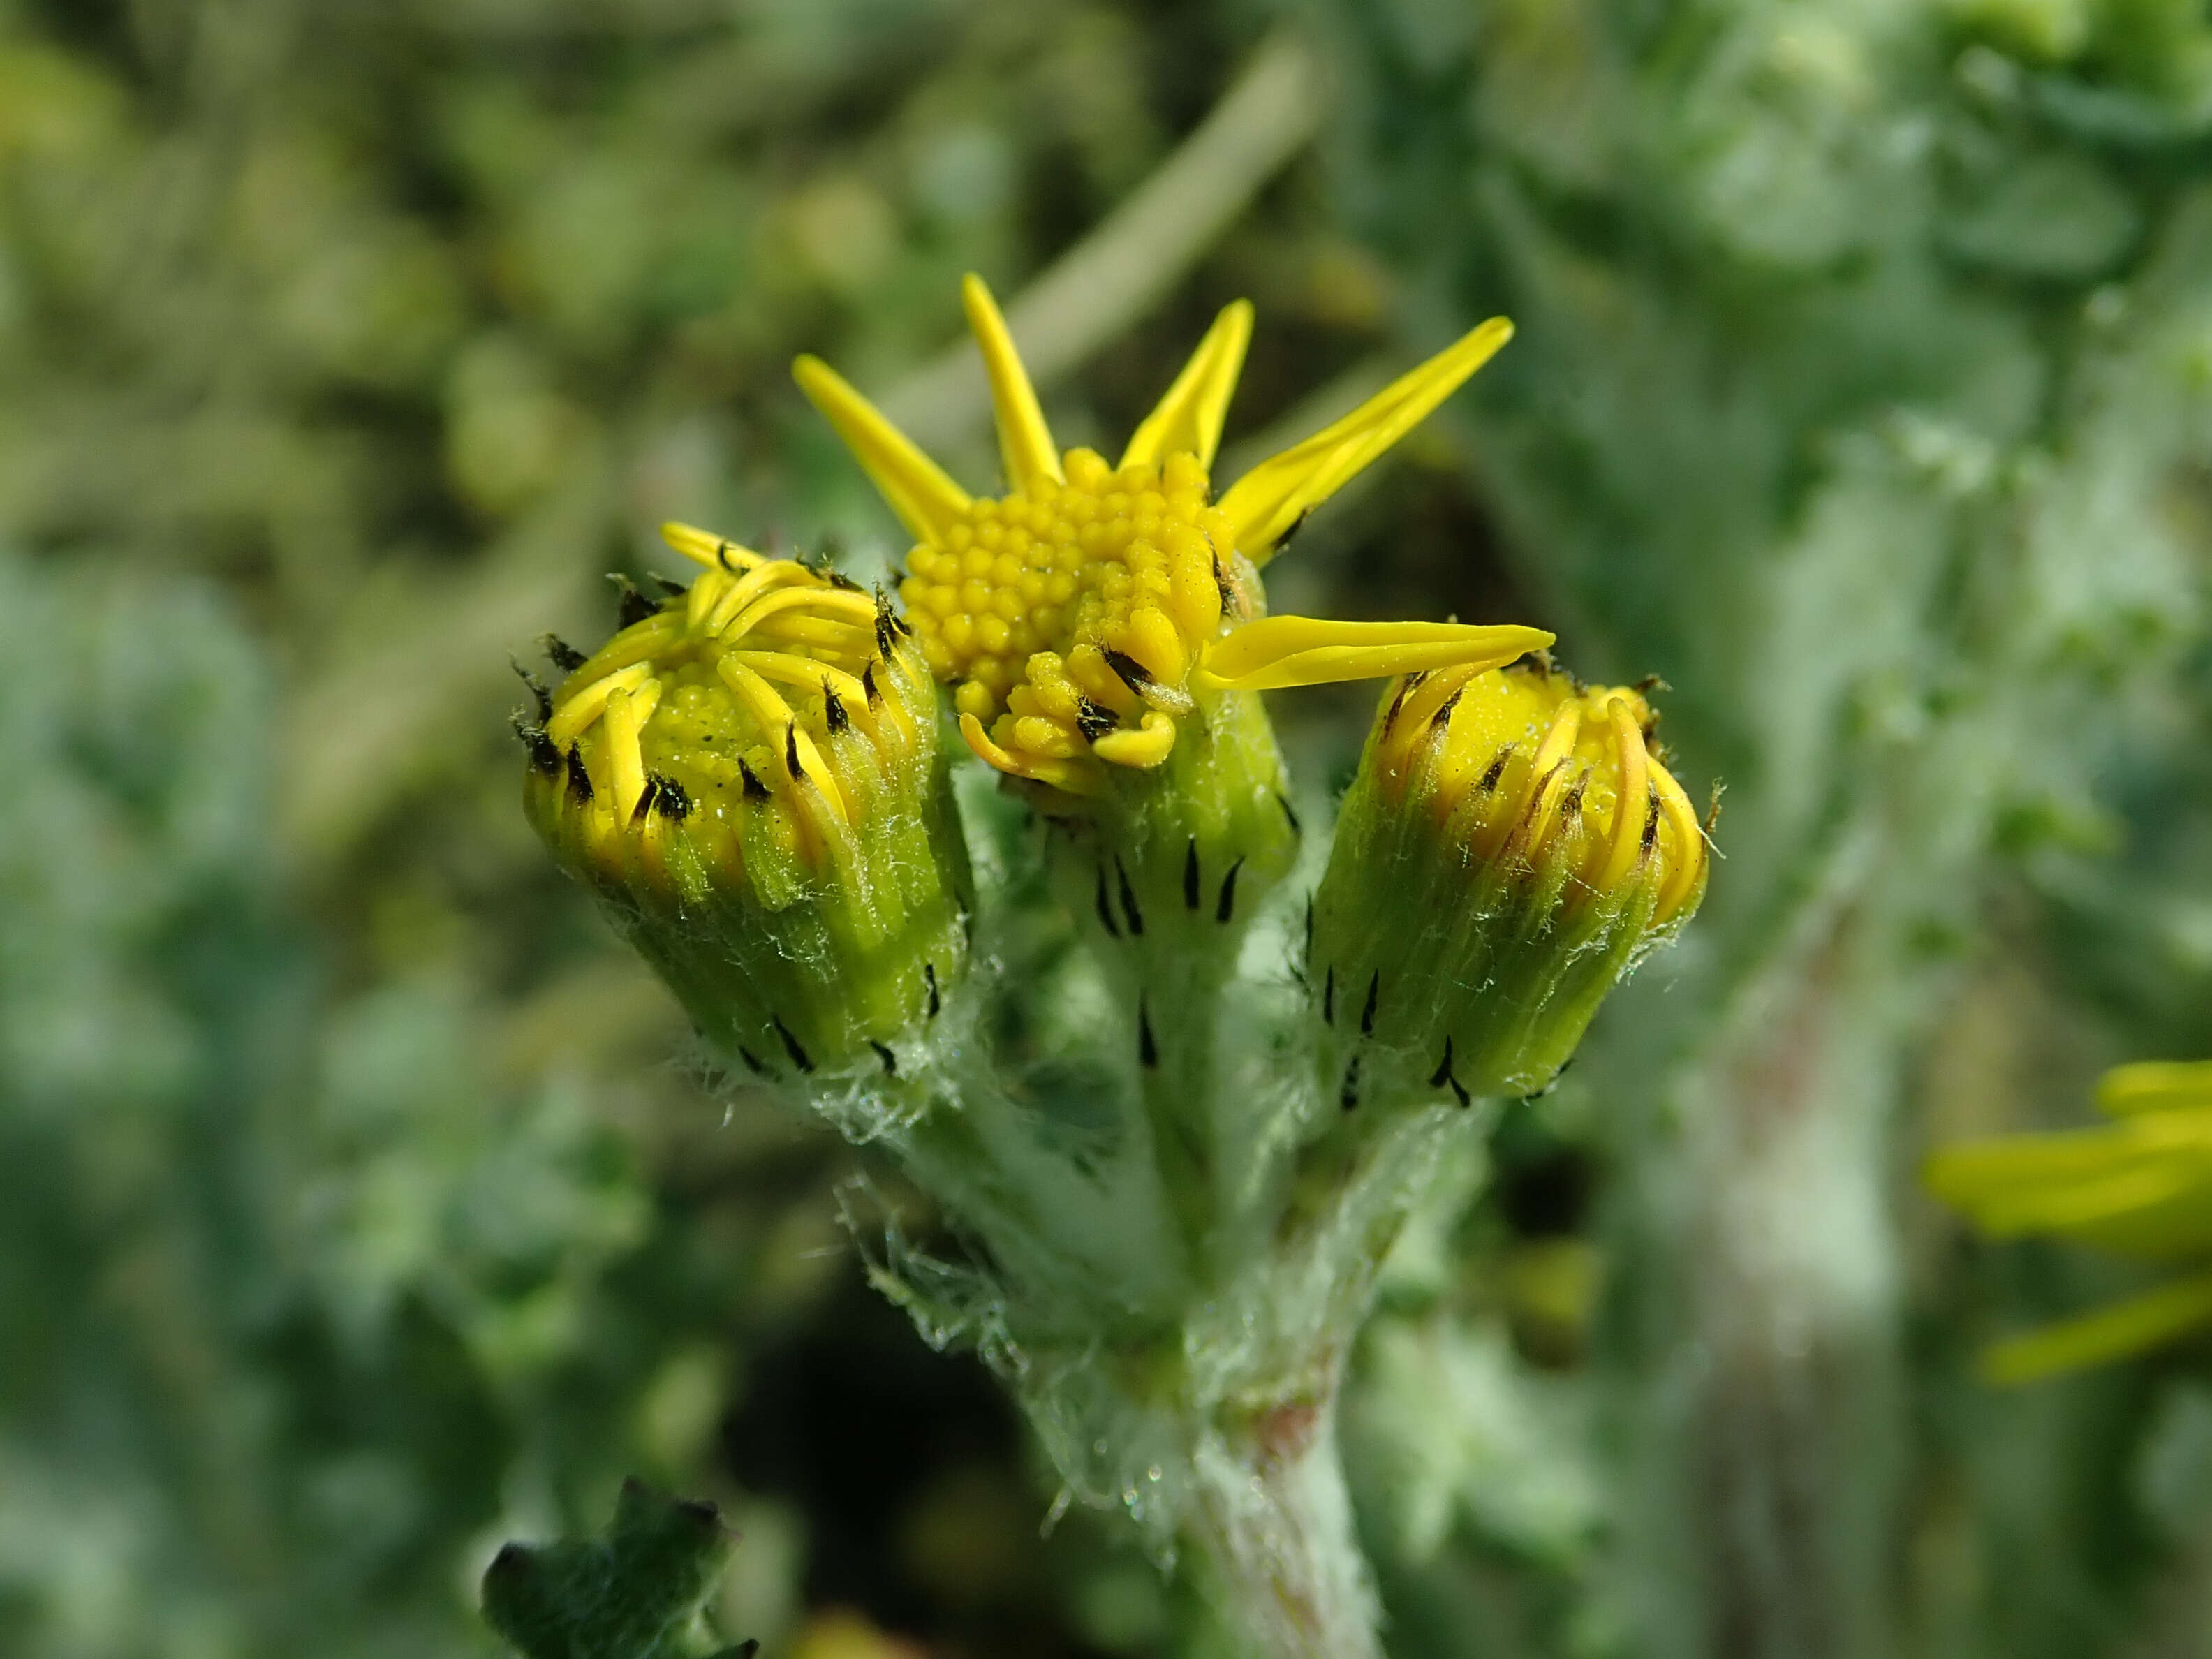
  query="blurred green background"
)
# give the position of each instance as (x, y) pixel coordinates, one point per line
(359, 1209)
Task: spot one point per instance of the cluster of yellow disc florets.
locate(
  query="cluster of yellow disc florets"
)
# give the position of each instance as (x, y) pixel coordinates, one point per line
(1060, 610)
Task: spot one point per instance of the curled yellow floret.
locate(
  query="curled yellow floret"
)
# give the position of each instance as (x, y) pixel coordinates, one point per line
(765, 685)
(1081, 616)
(2140, 1186)
(1524, 762)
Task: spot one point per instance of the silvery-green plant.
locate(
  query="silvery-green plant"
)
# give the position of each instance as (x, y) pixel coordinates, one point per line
(1175, 1103)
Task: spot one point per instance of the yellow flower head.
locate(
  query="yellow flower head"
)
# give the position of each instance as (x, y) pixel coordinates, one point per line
(1087, 610)
(1527, 762)
(747, 775)
(1510, 848)
(739, 695)
(2141, 1186)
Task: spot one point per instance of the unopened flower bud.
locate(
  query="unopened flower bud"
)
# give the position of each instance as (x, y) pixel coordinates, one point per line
(747, 776)
(1510, 848)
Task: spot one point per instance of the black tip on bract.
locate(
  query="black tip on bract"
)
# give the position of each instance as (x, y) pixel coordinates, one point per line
(561, 654)
(539, 694)
(631, 607)
(544, 753)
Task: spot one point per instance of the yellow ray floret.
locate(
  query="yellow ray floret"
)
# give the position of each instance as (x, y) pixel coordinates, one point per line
(1267, 501)
(2140, 1186)
(1276, 652)
(2119, 1332)
(1188, 419)
(1082, 615)
(1024, 440)
(919, 490)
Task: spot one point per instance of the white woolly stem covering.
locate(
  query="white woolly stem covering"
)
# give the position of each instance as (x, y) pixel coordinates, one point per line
(1271, 1531)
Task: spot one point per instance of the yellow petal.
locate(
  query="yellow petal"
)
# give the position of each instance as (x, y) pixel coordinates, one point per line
(774, 715)
(574, 717)
(786, 669)
(1189, 417)
(1547, 776)
(1276, 652)
(1632, 799)
(2119, 1332)
(2075, 1206)
(2154, 1085)
(1689, 844)
(927, 500)
(1275, 495)
(1024, 441)
(716, 552)
(626, 713)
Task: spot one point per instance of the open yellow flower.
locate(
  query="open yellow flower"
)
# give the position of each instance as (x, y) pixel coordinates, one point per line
(2141, 1186)
(1083, 613)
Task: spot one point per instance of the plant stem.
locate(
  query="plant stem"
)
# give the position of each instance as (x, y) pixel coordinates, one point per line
(1271, 1536)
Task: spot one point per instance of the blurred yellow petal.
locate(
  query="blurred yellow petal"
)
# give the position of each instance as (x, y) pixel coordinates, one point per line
(2154, 1085)
(927, 502)
(1024, 441)
(1276, 652)
(1275, 495)
(2065, 1208)
(2118, 1332)
(1189, 417)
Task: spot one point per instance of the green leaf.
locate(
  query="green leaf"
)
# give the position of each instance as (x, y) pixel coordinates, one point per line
(636, 1592)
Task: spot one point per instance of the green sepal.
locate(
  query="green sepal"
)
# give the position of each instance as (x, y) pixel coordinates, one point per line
(1437, 973)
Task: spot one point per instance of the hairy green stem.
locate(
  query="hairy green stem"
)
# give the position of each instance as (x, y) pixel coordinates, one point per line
(1271, 1536)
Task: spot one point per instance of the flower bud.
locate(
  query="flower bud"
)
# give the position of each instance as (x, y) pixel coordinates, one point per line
(1510, 848)
(747, 776)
